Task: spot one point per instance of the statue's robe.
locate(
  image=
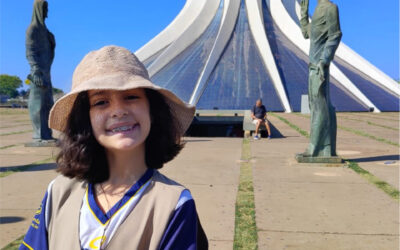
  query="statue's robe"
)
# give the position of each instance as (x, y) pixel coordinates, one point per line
(40, 45)
(325, 34)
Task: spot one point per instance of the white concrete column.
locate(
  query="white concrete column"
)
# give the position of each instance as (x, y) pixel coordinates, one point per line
(293, 33)
(254, 14)
(189, 36)
(230, 14)
(353, 58)
(182, 21)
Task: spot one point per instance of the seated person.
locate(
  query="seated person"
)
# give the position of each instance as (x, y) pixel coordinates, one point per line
(259, 116)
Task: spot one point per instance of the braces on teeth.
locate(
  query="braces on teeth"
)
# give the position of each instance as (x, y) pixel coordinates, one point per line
(124, 128)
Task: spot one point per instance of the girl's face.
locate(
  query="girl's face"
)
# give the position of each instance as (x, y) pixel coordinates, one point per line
(120, 119)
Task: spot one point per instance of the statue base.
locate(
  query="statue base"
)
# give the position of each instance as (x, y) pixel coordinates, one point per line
(301, 158)
(42, 143)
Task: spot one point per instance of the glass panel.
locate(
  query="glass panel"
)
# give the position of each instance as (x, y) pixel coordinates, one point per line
(152, 58)
(342, 100)
(381, 98)
(292, 65)
(181, 74)
(240, 77)
(290, 6)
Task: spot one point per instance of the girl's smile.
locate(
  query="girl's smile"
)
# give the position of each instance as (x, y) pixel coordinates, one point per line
(120, 119)
(122, 128)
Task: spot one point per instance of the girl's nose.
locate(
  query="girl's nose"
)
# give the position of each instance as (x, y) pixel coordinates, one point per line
(118, 110)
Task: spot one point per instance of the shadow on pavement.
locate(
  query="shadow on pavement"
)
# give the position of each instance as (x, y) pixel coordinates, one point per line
(10, 219)
(377, 158)
(29, 168)
(276, 134)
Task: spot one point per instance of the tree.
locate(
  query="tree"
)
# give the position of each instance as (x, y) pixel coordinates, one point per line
(24, 93)
(9, 85)
(57, 91)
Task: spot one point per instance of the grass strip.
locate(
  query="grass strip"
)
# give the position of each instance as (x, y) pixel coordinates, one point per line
(245, 221)
(15, 244)
(9, 146)
(24, 120)
(382, 126)
(12, 170)
(369, 123)
(18, 132)
(381, 118)
(384, 186)
(358, 132)
(15, 125)
(302, 132)
(10, 111)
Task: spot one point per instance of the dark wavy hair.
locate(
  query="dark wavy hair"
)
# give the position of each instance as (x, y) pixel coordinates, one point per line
(82, 157)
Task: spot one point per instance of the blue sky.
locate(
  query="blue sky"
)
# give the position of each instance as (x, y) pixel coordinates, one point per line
(369, 27)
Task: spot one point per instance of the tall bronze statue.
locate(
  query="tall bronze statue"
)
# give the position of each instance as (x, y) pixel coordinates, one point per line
(325, 34)
(40, 45)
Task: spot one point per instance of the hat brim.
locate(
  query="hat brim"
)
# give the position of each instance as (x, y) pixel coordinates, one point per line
(182, 112)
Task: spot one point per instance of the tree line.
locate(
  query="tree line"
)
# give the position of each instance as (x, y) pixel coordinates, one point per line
(9, 86)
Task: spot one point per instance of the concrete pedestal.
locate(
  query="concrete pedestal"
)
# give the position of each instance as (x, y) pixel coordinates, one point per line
(300, 158)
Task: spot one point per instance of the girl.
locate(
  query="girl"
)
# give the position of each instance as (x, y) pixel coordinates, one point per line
(118, 128)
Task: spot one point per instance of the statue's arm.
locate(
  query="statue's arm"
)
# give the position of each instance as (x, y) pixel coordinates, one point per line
(33, 54)
(334, 35)
(33, 50)
(304, 22)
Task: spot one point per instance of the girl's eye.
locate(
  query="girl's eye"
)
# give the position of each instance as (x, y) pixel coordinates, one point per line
(132, 97)
(99, 103)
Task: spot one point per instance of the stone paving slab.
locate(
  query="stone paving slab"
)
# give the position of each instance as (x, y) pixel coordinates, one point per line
(210, 168)
(388, 173)
(20, 155)
(388, 134)
(306, 206)
(374, 118)
(7, 140)
(19, 221)
(20, 196)
(26, 151)
(318, 241)
(21, 138)
(211, 173)
(13, 117)
(15, 128)
(382, 115)
(12, 161)
(220, 244)
(7, 123)
(369, 153)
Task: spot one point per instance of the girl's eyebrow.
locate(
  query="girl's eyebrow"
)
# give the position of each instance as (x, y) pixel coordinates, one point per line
(101, 92)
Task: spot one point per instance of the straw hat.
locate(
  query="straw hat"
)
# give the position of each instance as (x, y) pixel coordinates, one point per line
(116, 68)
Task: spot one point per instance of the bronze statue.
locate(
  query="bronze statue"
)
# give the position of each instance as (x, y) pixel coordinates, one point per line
(40, 45)
(325, 34)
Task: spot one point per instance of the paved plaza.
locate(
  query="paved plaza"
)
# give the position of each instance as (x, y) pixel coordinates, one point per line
(297, 206)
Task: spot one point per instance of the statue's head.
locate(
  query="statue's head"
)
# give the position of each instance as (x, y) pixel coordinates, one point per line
(40, 10)
(45, 9)
(259, 102)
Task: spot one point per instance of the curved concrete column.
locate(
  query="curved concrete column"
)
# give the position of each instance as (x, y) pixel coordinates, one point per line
(190, 35)
(230, 14)
(353, 58)
(293, 33)
(186, 16)
(254, 14)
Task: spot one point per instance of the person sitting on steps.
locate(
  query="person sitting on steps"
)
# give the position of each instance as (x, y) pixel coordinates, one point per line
(259, 116)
